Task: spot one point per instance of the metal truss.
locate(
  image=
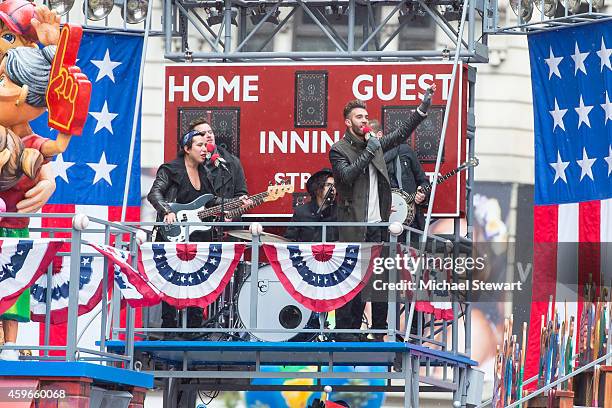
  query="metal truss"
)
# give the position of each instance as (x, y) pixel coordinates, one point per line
(526, 18)
(357, 29)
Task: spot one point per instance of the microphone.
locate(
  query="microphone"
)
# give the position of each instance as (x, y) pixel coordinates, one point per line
(368, 132)
(218, 161)
(210, 148)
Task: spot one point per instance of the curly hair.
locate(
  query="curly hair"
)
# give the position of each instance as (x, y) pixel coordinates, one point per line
(354, 104)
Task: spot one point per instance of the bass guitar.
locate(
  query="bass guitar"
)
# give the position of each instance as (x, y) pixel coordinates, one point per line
(196, 211)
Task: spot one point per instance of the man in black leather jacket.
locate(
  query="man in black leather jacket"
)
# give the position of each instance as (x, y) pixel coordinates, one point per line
(408, 176)
(364, 193)
(318, 185)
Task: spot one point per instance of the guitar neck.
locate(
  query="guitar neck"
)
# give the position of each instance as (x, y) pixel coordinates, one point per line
(441, 179)
(241, 210)
(233, 204)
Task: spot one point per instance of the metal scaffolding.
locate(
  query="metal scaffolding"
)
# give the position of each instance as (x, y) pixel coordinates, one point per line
(368, 27)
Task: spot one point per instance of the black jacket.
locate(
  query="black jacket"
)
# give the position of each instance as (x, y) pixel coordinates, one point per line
(169, 179)
(350, 161)
(306, 213)
(412, 176)
(227, 184)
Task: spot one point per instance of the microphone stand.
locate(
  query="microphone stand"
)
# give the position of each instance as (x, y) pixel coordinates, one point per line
(329, 196)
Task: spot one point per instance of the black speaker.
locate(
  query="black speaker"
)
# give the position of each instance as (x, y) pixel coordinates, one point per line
(310, 99)
(225, 122)
(426, 138)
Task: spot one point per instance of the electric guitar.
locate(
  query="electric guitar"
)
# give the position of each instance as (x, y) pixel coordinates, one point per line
(196, 211)
(403, 203)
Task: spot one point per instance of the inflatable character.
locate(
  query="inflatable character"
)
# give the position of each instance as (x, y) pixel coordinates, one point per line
(32, 80)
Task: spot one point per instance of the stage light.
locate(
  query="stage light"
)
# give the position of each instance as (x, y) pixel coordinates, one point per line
(573, 6)
(526, 9)
(135, 11)
(581, 6)
(216, 16)
(98, 9)
(550, 7)
(61, 7)
(260, 12)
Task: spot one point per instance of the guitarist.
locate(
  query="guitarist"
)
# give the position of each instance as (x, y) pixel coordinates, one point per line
(181, 181)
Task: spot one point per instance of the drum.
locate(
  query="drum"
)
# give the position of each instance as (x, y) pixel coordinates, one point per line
(276, 309)
(403, 207)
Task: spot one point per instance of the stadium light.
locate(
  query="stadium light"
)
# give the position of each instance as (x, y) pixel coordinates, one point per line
(526, 9)
(98, 9)
(61, 7)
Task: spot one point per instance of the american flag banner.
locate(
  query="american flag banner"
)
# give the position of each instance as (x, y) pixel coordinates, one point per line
(90, 289)
(190, 274)
(91, 173)
(22, 262)
(93, 170)
(572, 85)
(135, 287)
(323, 277)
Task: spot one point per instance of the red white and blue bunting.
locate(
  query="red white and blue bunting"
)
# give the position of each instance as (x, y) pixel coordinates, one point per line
(22, 262)
(435, 302)
(90, 289)
(323, 277)
(135, 288)
(190, 274)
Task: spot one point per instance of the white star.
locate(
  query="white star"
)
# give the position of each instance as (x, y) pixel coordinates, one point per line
(104, 118)
(579, 58)
(609, 160)
(60, 166)
(559, 167)
(102, 169)
(583, 113)
(607, 107)
(557, 115)
(85, 261)
(604, 55)
(106, 67)
(586, 164)
(553, 64)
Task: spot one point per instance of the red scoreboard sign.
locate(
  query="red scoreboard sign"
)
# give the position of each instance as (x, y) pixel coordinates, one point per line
(281, 119)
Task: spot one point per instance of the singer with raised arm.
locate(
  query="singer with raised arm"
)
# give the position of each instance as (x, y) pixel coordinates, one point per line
(364, 193)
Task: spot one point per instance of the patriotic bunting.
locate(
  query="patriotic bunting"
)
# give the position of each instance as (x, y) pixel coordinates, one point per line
(90, 289)
(134, 285)
(435, 302)
(323, 277)
(190, 274)
(22, 261)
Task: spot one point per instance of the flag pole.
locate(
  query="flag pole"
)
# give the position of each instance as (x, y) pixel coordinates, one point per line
(143, 56)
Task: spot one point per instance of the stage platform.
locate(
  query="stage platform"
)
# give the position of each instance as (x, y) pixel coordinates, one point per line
(251, 365)
(96, 372)
(198, 353)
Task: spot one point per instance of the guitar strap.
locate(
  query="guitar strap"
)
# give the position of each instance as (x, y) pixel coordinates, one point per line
(398, 170)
